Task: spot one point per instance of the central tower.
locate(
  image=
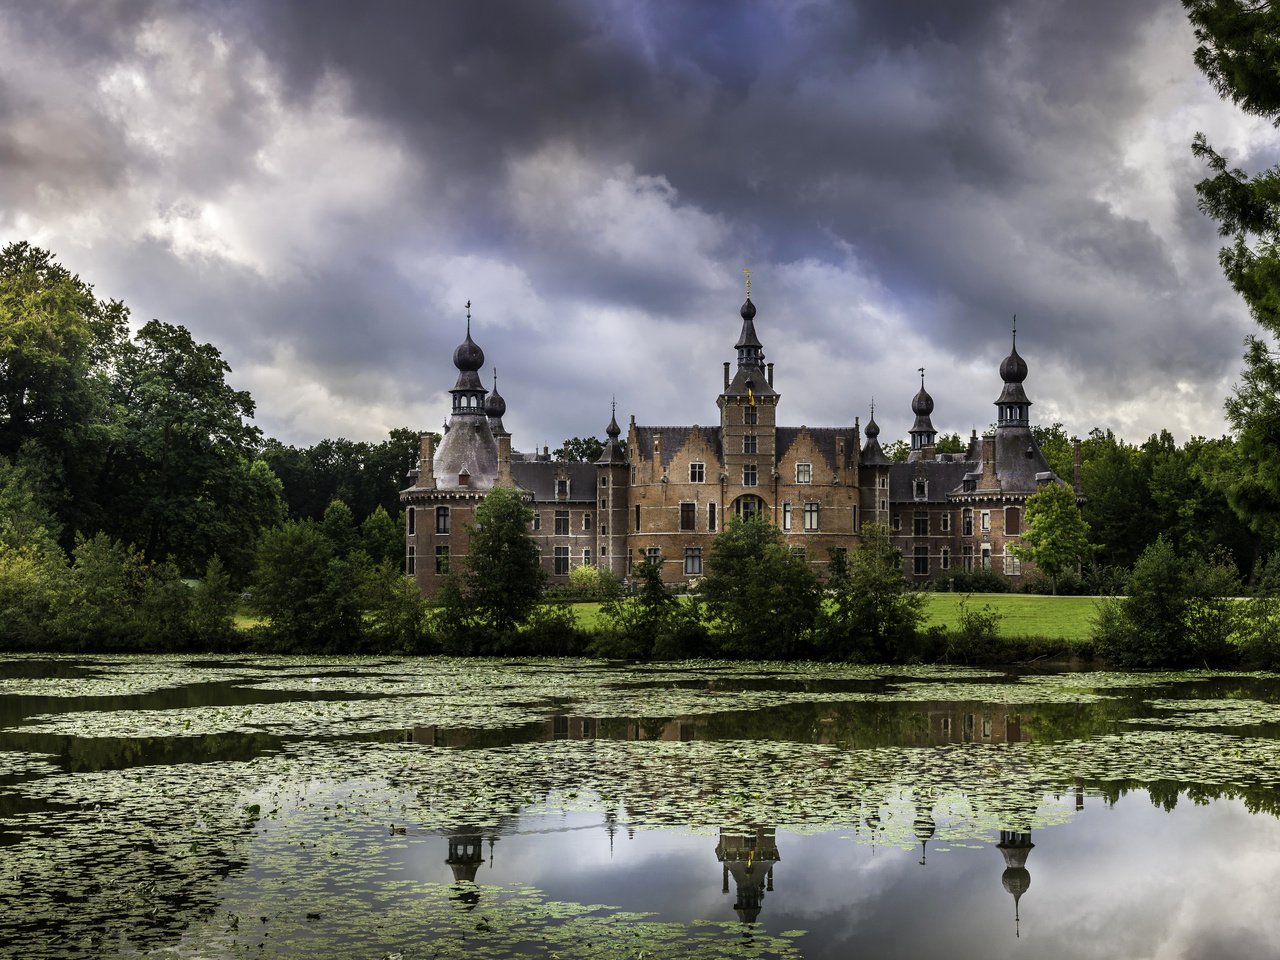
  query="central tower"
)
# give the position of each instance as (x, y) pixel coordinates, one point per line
(748, 425)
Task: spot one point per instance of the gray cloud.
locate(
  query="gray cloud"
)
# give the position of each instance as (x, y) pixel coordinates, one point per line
(317, 191)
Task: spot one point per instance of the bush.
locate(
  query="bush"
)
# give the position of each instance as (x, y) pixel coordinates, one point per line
(873, 615)
(1178, 612)
(1257, 635)
(976, 639)
(975, 581)
(552, 631)
(1069, 584)
(1105, 580)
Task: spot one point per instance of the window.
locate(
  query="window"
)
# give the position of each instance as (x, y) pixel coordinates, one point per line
(653, 554)
(562, 489)
(604, 551)
(920, 562)
(633, 476)
(786, 515)
(986, 728)
(586, 557)
(692, 561)
(749, 475)
(970, 485)
(412, 520)
(986, 558)
(840, 555)
(946, 727)
(896, 523)
(1012, 521)
(884, 506)
(562, 523)
(561, 562)
(586, 521)
(748, 506)
(688, 516)
(1012, 565)
(804, 473)
(986, 521)
(966, 522)
(882, 481)
(604, 504)
(855, 520)
(920, 525)
(637, 518)
(749, 443)
(442, 559)
(799, 553)
(604, 481)
(944, 561)
(410, 562)
(442, 519)
(750, 416)
(946, 522)
(922, 489)
(537, 521)
(697, 473)
(811, 516)
(711, 517)
(966, 558)
(604, 528)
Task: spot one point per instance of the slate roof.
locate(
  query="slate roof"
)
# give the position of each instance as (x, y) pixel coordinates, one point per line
(538, 477)
(823, 437)
(1019, 460)
(467, 445)
(673, 438)
(944, 476)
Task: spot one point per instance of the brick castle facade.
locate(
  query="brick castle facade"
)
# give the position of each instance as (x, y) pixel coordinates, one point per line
(671, 489)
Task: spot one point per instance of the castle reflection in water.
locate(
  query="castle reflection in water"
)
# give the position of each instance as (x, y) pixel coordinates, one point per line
(748, 856)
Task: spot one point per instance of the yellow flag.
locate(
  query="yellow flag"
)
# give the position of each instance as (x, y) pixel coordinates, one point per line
(751, 397)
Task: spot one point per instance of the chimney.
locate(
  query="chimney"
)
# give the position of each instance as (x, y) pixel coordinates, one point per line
(726, 374)
(657, 456)
(426, 456)
(1076, 464)
(989, 480)
(504, 461)
(770, 366)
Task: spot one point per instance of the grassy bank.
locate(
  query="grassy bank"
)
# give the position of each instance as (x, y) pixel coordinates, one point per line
(1024, 614)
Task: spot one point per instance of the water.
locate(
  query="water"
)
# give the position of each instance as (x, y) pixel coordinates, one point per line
(214, 807)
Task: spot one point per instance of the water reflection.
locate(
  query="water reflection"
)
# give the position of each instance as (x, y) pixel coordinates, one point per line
(748, 856)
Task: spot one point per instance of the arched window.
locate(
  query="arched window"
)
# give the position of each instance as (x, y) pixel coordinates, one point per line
(748, 506)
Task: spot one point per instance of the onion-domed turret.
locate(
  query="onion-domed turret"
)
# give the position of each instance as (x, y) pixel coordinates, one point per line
(1014, 409)
(613, 451)
(872, 454)
(922, 433)
(468, 356)
(495, 407)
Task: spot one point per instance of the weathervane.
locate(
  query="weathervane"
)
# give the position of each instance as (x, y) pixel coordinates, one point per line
(747, 271)
(468, 318)
(921, 369)
(1015, 329)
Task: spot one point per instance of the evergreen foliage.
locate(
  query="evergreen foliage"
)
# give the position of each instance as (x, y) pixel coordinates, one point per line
(1056, 536)
(761, 600)
(872, 614)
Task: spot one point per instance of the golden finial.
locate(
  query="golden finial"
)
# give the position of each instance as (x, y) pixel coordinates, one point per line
(747, 271)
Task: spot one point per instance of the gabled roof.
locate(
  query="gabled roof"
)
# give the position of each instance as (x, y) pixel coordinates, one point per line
(673, 438)
(538, 477)
(823, 437)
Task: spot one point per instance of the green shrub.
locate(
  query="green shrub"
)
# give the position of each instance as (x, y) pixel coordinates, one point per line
(976, 638)
(975, 581)
(1257, 635)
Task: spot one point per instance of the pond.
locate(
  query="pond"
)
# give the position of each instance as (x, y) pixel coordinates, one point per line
(200, 807)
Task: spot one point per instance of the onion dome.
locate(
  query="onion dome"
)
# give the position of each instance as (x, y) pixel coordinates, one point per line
(613, 431)
(748, 338)
(872, 429)
(494, 405)
(922, 403)
(612, 452)
(468, 357)
(1013, 369)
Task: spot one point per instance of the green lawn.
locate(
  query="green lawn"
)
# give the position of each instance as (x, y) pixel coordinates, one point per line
(1025, 614)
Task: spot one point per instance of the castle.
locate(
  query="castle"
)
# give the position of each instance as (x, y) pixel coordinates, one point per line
(667, 493)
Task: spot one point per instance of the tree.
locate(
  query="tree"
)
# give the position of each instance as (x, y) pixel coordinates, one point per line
(951, 443)
(1056, 536)
(1057, 449)
(898, 451)
(763, 599)
(1238, 49)
(579, 450)
(502, 579)
(873, 615)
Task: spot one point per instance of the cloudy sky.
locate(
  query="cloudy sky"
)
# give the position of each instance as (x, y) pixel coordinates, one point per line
(318, 188)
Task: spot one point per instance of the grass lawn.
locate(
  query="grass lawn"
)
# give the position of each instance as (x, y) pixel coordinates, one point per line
(1025, 614)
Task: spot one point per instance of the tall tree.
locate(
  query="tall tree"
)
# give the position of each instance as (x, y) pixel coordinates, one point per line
(1239, 51)
(503, 576)
(763, 598)
(1056, 537)
(579, 450)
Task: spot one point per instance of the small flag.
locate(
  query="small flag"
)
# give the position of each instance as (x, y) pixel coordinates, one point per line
(751, 397)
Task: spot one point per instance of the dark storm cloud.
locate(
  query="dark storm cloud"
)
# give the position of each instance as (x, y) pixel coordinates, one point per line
(911, 174)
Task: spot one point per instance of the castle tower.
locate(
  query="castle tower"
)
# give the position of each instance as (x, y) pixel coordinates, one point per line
(612, 491)
(748, 425)
(468, 454)
(495, 408)
(874, 475)
(1013, 407)
(923, 436)
(749, 857)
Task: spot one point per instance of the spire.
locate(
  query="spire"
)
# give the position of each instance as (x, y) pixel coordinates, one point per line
(872, 454)
(614, 452)
(922, 433)
(751, 380)
(1013, 406)
(495, 407)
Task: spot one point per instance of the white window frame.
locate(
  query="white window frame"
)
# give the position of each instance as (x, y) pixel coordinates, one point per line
(812, 516)
(786, 515)
(804, 473)
(697, 472)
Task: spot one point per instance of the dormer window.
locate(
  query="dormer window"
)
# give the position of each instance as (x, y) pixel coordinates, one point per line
(804, 473)
(922, 489)
(562, 488)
